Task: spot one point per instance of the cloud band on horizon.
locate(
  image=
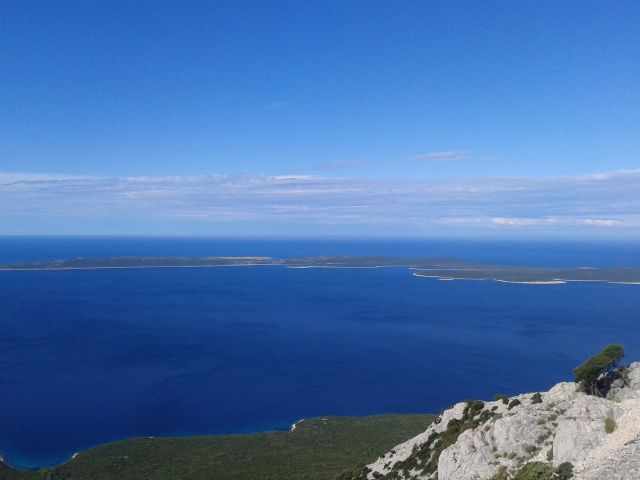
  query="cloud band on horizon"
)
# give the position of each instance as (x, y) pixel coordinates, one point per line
(609, 200)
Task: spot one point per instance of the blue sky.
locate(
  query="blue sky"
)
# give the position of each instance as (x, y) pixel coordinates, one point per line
(262, 118)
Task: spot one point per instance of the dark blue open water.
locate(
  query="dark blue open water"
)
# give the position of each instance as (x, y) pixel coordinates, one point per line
(92, 356)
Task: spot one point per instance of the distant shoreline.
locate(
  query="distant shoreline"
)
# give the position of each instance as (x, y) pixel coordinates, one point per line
(556, 281)
(52, 269)
(295, 267)
(444, 269)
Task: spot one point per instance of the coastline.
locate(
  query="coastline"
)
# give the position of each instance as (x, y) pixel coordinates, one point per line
(256, 430)
(343, 266)
(450, 279)
(555, 281)
(415, 271)
(53, 269)
(131, 447)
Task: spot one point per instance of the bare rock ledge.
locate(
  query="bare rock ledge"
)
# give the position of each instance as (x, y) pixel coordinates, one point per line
(600, 437)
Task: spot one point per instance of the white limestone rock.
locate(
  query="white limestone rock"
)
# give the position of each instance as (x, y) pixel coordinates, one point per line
(583, 428)
(621, 391)
(561, 425)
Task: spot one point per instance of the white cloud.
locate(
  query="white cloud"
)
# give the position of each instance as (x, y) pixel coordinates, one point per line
(13, 177)
(542, 222)
(343, 165)
(449, 156)
(604, 222)
(519, 222)
(600, 201)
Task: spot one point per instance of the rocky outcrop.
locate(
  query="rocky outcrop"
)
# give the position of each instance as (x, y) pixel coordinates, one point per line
(599, 437)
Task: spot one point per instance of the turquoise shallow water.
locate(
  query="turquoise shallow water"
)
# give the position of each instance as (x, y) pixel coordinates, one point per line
(92, 356)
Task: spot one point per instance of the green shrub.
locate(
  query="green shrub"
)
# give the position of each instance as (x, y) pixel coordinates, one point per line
(535, 471)
(543, 471)
(472, 408)
(541, 438)
(513, 403)
(564, 471)
(504, 398)
(46, 474)
(536, 398)
(501, 474)
(610, 425)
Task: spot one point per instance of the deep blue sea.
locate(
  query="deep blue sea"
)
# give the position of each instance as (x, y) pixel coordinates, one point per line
(87, 357)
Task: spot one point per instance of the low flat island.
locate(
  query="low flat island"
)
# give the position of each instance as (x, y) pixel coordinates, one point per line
(436, 268)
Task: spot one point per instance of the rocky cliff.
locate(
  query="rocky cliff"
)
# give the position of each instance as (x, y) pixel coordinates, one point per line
(558, 434)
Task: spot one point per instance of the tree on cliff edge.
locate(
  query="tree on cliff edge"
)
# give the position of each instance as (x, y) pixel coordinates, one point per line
(587, 373)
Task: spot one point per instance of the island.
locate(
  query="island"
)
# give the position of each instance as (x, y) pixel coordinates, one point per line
(445, 269)
(193, 262)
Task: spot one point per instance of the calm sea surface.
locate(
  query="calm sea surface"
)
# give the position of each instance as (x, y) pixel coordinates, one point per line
(91, 356)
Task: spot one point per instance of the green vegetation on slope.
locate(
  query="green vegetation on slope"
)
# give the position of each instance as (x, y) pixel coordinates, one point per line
(539, 471)
(318, 449)
(588, 372)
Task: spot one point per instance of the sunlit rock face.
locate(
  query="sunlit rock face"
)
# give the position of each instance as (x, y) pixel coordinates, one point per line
(599, 437)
